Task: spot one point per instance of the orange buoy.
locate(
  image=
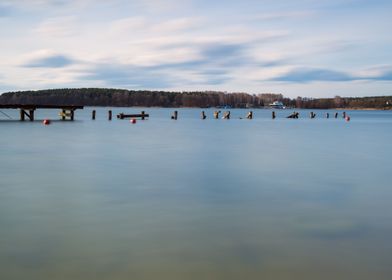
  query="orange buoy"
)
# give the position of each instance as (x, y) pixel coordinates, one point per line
(46, 122)
(132, 121)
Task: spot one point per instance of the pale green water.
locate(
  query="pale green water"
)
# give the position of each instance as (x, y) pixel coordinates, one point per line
(192, 199)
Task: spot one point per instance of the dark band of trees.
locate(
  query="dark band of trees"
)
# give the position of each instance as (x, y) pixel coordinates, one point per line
(201, 99)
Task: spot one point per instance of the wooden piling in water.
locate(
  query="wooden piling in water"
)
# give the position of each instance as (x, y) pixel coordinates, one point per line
(203, 115)
(174, 115)
(273, 115)
(110, 115)
(216, 114)
(63, 114)
(93, 115)
(250, 115)
(31, 115)
(22, 115)
(294, 115)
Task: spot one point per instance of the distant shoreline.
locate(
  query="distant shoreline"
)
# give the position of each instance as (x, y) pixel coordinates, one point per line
(106, 97)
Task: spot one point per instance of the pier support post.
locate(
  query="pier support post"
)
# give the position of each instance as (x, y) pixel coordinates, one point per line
(175, 115)
(203, 115)
(273, 115)
(110, 115)
(93, 115)
(142, 115)
(31, 115)
(22, 115)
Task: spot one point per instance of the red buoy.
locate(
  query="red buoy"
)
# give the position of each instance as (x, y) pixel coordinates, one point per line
(133, 121)
(46, 122)
(347, 118)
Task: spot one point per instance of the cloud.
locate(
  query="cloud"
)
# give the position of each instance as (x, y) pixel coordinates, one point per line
(211, 67)
(50, 61)
(58, 27)
(5, 10)
(386, 77)
(285, 15)
(127, 76)
(305, 75)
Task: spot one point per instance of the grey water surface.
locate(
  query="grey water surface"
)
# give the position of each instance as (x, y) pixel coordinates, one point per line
(196, 199)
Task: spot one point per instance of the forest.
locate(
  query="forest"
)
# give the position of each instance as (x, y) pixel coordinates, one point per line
(199, 99)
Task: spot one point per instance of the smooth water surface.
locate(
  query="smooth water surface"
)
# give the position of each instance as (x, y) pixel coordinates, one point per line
(193, 199)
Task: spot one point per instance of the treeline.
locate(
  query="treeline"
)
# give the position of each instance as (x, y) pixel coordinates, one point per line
(374, 102)
(125, 98)
(202, 99)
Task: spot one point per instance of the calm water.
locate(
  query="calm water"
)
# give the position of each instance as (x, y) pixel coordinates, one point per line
(192, 199)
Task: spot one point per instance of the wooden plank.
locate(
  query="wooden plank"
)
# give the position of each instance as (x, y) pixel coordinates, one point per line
(124, 116)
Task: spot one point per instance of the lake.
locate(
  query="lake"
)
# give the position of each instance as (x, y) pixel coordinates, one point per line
(196, 199)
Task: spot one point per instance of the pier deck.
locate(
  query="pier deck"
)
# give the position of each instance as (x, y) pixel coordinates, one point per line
(27, 110)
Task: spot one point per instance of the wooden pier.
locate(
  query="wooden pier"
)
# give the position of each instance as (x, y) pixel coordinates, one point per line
(142, 116)
(27, 110)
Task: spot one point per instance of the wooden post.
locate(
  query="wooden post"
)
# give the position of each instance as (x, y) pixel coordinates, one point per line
(72, 114)
(22, 115)
(203, 115)
(31, 115)
(327, 115)
(110, 115)
(175, 115)
(344, 115)
(250, 115)
(93, 114)
(142, 115)
(336, 115)
(216, 114)
(63, 114)
(273, 115)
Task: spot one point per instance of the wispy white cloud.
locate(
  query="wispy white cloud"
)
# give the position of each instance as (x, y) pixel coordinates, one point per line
(58, 27)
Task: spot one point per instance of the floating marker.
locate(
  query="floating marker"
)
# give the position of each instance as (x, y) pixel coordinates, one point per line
(132, 120)
(46, 122)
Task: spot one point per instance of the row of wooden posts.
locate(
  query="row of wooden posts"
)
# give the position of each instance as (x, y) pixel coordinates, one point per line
(226, 115)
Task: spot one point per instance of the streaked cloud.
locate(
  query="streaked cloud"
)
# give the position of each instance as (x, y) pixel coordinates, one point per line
(278, 46)
(50, 61)
(5, 10)
(58, 27)
(305, 75)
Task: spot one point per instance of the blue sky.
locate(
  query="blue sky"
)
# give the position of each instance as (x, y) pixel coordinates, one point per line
(298, 48)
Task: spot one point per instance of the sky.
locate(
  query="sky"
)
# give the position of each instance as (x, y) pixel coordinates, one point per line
(312, 48)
